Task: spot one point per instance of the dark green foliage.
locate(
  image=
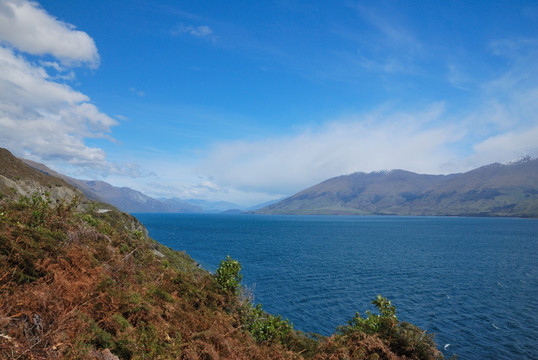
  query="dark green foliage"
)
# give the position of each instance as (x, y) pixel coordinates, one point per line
(25, 220)
(403, 338)
(90, 219)
(265, 327)
(227, 275)
(160, 293)
(414, 343)
(382, 324)
(39, 206)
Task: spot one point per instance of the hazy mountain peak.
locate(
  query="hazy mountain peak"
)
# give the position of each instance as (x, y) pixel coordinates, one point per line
(521, 160)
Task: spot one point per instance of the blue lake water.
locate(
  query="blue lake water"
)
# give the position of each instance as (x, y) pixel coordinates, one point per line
(471, 281)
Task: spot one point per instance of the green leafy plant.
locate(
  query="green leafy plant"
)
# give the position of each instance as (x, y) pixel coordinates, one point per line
(39, 206)
(265, 327)
(403, 338)
(88, 218)
(227, 275)
(382, 324)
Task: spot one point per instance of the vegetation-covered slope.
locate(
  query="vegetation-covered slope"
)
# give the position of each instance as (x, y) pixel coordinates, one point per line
(17, 178)
(75, 284)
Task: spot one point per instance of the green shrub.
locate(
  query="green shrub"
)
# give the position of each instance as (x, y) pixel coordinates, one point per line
(160, 293)
(88, 218)
(124, 249)
(265, 327)
(122, 322)
(227, 275)
(403, 338)
(413, 342)
(382, 324)
(99, 337)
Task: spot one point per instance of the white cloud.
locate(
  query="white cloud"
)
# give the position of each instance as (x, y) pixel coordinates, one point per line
(137, 92)
(395, 35)
(201, 31)
(44, 117)
(391, 48)
(508, 117)
(522, 72)
(507, 146)
(29, 28)
(457, 77)
(40, 117)
(501, 127)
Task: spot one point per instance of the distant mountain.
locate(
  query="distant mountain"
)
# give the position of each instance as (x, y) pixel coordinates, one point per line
(181, 206)
(494, 190)
(212, 206)
(124, 198)
(133, 201)
(262, 205)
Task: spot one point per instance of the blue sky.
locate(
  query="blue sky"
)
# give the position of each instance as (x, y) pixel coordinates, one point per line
(253, 101)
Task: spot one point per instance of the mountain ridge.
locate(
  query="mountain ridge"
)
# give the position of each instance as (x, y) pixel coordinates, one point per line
(496, 189)
(20, 179)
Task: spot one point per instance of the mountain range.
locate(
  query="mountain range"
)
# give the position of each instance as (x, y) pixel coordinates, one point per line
(509, 189)
(133, 201)
(494, 190)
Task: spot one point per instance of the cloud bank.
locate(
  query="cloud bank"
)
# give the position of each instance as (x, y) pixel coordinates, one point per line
(367, 142)
(499, 125)
(29, 28)
(42, 117)
(431, 141)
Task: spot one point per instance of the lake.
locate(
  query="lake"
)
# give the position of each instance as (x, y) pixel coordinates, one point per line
(471, 281)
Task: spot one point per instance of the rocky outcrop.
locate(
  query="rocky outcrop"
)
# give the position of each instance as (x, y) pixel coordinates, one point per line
(18, 179)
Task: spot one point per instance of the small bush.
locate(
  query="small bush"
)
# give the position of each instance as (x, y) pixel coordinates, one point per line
(404, 339)
(382, 324)
(122, 322)
(265, 327)
(227, 275)
(88, 218)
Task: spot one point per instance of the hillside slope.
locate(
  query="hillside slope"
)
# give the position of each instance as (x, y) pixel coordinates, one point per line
(17, 178)
(493, 190)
